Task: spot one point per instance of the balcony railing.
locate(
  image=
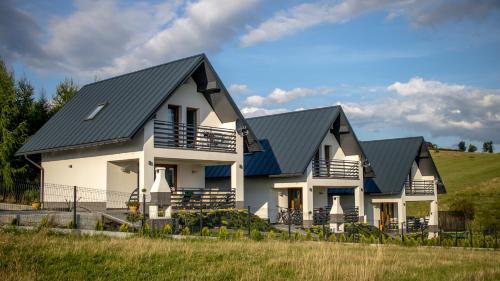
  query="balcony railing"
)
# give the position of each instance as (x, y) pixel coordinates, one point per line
(203, 198)
(419, 187)
(179, 135)
(333, 168)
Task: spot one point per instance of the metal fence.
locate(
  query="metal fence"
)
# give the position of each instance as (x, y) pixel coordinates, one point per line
(334, 168)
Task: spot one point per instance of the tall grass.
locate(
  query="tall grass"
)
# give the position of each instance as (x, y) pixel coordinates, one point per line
(45, 256)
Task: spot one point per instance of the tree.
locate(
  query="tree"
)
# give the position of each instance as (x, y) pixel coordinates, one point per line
(13, 131)
(64, 92)
(461, 146)
(472, 148)
(488, 146)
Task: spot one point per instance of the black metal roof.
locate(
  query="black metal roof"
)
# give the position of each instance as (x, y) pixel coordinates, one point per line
(392, 159)
(295, 136)
(131, 100)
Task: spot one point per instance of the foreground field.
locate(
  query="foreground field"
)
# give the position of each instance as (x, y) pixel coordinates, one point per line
(475, 176)
(45, 256)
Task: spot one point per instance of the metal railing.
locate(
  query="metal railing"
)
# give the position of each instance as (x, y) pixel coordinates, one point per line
(419, 187)
(290, 216)
(180, 135)
(203, 198)
(334, 168)
(322, 215)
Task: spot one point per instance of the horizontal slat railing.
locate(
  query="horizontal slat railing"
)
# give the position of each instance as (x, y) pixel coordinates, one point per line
(322, 215)
(334, 168)
(419, 187)
(180, 135)
(203, 198)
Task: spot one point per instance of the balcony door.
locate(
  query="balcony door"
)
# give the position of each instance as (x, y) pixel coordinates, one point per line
(327, 159)
(191, 126)
(173, 125)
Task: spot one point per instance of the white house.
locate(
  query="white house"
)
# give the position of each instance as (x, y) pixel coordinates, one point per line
(114, 132)
(305, 154)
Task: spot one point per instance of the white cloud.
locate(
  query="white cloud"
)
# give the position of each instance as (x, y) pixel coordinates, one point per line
(239, 89)
(283, 96)
(439, 108)
(252, 111)
(419, 13)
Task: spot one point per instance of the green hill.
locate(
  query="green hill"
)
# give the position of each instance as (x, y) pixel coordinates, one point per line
(473, 176)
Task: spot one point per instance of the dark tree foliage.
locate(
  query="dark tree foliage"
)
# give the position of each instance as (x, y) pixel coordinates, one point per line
(461, 146)
(472, 148)
(64, 92)
(488, 146)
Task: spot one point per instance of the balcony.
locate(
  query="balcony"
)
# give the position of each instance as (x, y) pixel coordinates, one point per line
(335, 169)
(419, 187)
(183, 136)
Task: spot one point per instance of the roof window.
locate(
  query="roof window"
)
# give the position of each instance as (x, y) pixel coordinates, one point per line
(96, 111)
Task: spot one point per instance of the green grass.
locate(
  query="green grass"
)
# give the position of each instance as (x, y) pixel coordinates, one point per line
(45, 256)
(473, 175)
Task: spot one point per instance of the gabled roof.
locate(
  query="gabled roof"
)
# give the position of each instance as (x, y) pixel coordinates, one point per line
(256, 164)
(392, 159)
(130, 101)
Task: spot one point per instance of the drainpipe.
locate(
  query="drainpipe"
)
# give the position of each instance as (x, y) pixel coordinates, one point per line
(42, 178)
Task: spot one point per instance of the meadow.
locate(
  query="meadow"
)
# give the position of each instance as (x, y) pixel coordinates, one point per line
(46, 256)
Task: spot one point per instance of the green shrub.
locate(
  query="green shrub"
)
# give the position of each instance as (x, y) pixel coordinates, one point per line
(205, 231)
(133, 217)
(167, 229)
(284, 236)
(185, 231)
(44, 222)
(308, 235)
(271, 235)
(99, 226)
(14, 221)
(372, 239)
(238, 234)
(256, 235)
(223, 233)
(145, 230)
(332, 238)
(124, 227)
(297, 236)
(321, 235)
(342, 238)
(71, 225)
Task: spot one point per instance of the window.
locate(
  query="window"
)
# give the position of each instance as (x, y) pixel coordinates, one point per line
(95, 111)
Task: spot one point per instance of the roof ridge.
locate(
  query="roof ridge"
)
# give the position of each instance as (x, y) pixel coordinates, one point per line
(296, 111)
(393, 139)
(144, 69)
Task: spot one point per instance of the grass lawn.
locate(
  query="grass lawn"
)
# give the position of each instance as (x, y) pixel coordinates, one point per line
(45, 256)
(475, 175)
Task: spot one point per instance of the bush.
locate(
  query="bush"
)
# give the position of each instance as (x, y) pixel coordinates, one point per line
(238, 234)
(133, 217)
(256, 235)
(284, 236)
(271, 235)
(205, 231)
(14, 221)
(321, 235)
(185, 231)
(223, 233)
(167, 229)
(308, 235)
(332, 238)
(71, 225)
(44, 222)
(124, 227)
(342, 238)
(145, 229)
(297, 236)
(99, 226)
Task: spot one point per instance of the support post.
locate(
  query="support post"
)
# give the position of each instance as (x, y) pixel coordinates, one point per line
(74, 208)
(307, 206)
(249, 221)
(289, 215)
(143, 209)
(201, 220)
(433, 220)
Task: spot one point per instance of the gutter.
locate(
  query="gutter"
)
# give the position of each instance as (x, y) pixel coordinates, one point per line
(42, 178)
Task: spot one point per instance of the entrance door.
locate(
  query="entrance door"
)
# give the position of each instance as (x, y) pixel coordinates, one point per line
(386, 215)
(170, 175)
(295, 198)
(327, 159)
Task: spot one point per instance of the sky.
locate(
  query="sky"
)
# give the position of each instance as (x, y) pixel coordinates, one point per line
(398, 68)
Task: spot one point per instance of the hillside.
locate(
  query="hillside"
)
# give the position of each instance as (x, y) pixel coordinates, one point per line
(472, 175)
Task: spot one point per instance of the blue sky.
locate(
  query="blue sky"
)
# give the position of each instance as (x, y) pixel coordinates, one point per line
(398, 68)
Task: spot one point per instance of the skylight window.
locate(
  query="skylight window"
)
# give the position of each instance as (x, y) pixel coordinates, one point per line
(96, 111)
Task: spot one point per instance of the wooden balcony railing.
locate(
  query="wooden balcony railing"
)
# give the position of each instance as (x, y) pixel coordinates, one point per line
(333, 168)
(179, 135)
(419, 187)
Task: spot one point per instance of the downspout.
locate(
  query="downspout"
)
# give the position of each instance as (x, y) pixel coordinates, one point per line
(42, 178)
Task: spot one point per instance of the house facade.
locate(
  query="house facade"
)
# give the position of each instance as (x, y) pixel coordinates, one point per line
(114, 133)
(305, 153)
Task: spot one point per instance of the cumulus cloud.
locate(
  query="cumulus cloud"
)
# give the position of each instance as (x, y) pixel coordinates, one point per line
(239, 89)
(252, 111)
(420, 13)
(104, 38)
(283, 96)
(439, 108)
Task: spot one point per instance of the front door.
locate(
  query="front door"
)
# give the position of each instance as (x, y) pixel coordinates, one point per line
(386, 215)
(170, 175)
(295, 198)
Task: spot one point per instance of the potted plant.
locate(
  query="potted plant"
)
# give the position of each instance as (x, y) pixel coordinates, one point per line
(35, 204)
(133, 206)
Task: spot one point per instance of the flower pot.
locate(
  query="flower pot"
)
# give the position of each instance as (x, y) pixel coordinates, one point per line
(133, 209)
(35, 205)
